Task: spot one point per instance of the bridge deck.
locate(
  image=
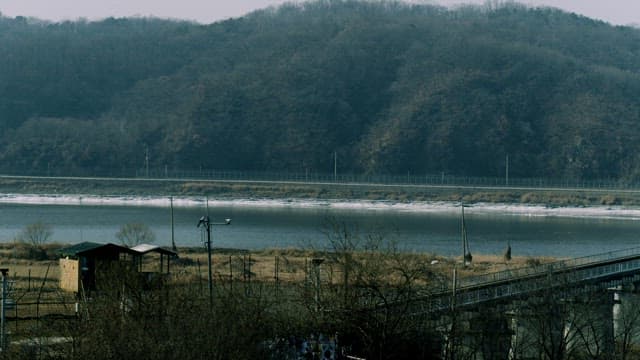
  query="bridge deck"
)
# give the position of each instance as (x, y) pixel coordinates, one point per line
(601, 271)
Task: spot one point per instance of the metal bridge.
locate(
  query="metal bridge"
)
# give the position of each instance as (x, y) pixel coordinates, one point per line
(585, 274)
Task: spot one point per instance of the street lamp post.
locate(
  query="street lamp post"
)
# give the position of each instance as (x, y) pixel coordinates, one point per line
(206, 223)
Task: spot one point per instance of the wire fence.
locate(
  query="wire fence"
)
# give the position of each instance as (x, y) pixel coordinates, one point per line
(441, 179)
(408, 179)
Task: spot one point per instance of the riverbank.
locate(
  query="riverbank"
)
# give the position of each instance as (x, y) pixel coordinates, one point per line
(220, 189)
(161, 193)
(595, 211)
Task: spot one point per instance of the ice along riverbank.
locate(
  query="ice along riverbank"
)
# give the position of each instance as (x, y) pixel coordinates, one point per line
(599, 212)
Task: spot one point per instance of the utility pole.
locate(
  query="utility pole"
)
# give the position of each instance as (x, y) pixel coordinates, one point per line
(507, 171)
(3, 334)
(146, 160)
(206, 223)
(173, 242)
(463, 234)
(208, 227)
(335, 166)
(466, 253)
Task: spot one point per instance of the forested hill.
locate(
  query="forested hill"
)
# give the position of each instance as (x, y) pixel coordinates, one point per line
(390, 88)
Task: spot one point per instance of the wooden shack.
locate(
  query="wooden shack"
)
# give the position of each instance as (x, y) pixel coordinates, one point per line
(82, 264)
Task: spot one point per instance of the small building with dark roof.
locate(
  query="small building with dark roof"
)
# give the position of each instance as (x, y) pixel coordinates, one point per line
(81, 264)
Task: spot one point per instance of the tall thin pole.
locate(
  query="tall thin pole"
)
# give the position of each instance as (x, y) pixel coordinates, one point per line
(507, 170)
(276, 274)
(455, 285)
(452, 332)
(208, 227)
(2, 310)
(206, 223)
(318, 287)
(146, 160)
(231, 273)
(173, 241)
(335, 166)
(463, 235)
(466, 254)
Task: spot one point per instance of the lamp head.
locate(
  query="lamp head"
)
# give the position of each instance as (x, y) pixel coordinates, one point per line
(203, 221)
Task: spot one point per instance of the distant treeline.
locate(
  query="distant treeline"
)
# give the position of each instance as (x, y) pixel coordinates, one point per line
(383, 87)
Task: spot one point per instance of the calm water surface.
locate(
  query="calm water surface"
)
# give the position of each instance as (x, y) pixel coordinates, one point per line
(281, 227)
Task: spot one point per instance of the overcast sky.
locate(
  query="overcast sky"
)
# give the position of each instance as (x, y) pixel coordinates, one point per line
(619, 12)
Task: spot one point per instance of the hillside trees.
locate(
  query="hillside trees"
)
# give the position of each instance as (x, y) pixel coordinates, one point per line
(72, 69)
(391, 88)
(65, 146)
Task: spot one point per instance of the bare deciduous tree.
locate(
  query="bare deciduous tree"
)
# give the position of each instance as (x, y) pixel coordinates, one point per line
(133, 234)
(35, 234)
(627, 321)
(371, 287)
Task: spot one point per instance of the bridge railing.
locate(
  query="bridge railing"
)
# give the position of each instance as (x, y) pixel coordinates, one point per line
(558, 279)
(528, 271)
(506, 284)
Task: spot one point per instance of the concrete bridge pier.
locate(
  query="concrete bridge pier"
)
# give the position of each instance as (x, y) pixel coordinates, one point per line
(561, 328)
(558, 311)
(481, 334)
(626, 318)
(537, 332)
(589, 329)
(493, 333)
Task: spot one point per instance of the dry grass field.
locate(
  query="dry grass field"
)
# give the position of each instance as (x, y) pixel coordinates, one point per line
(264, 265)
(291, 265)
(39, 301)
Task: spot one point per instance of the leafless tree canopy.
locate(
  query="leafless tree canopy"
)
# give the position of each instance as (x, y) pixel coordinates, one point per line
(133, 234)
(36, 234)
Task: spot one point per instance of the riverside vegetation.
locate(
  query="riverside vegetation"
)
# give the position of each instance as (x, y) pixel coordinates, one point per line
(277, 190)
(260, 297)
(362, 294)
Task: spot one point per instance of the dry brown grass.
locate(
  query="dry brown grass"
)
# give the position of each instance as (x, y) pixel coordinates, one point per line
(36, 282)
(256, 265)
(483, 264)
(293, 264)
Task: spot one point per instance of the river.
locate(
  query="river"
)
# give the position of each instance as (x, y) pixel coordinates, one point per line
(260, 224)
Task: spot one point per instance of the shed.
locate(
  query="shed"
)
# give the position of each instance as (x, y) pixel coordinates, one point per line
(81, 262)
(165, 256)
